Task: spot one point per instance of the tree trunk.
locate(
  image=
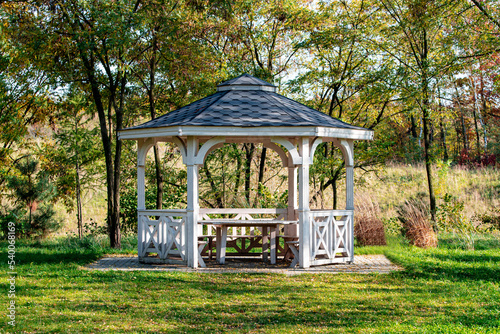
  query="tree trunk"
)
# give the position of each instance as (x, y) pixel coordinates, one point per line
(426, 123)
(428, 164)
(117, 172)
(152, 111)
(159, 179)
(79, 218)
(335, 195)
(483, 107)
(464, 131)
(237, 181)
(249, 150)
(217, 194)
(262, 166)
(413, 127)
(110, 172)
(443, 141)
(478, 141)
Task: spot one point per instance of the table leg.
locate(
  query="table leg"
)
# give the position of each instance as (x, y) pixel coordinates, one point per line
(273, 244)
(265, 243)
(210, 245)
(223, 241)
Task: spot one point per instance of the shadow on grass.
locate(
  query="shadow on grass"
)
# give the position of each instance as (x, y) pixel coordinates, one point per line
(37, 252)
(65, 250)
(41, 256)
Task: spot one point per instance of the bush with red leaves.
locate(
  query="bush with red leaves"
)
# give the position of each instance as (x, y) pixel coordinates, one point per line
(483, 160)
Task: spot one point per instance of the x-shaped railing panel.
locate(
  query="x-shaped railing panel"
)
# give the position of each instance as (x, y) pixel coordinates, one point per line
(330, 236)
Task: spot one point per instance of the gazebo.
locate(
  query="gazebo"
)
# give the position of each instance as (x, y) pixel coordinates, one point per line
(247, 110)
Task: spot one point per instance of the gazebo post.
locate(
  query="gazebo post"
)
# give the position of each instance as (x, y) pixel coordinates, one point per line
(304, 225)
(347, 148)
(143, 146)
(141, 199)
(291, 230)
(349, 191)
(192, 203)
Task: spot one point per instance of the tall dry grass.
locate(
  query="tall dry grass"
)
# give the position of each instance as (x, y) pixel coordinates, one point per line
(368, 227)
(416, 227)
(392, 186)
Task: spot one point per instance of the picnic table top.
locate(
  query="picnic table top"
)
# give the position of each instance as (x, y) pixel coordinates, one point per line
(252, 222)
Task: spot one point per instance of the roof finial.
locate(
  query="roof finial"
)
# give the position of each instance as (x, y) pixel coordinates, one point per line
(246, 82)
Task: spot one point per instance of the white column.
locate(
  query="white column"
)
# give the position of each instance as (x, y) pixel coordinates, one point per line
(349, 192)
(142, 149)
(304, 225)
(141, 205)
(349, 196)
(141, 188)
(291, 230)
(192, 204)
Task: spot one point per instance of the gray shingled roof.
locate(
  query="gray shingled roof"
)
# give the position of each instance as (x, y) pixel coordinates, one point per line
(245, 101)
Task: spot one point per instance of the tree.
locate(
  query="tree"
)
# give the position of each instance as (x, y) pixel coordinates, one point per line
(85, 42)
(345, 78)
(169, 65)
(414, 39)
(23, 102)
(260, 38)
(73, 158)
(33, 192)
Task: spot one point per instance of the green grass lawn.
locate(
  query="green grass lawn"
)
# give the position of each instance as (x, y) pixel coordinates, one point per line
(445, 290)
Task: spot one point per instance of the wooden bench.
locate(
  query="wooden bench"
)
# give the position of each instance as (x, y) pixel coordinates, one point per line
(246, 237)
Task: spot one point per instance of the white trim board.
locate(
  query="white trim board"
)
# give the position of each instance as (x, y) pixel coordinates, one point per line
(234, 131)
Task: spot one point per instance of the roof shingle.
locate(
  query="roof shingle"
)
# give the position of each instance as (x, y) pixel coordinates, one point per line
(245, 105)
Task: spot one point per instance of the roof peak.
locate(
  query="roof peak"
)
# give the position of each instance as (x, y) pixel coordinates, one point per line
(246, 82)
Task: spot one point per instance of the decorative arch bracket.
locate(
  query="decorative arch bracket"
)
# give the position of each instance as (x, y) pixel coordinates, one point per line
(206, 148)
(284, 157)
(143, 146)
(347, 148)
(314, 146)
(295, 157)
(181, 145)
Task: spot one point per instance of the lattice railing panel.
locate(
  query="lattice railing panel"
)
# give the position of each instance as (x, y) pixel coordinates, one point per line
(331, 236)
(161, 232)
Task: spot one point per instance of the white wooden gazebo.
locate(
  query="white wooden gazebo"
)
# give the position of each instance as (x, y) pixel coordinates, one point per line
(246, 109)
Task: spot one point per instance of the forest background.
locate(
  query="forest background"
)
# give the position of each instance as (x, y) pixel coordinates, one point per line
(424, 75)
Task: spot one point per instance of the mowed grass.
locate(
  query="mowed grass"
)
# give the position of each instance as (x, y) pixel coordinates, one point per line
(445, 290)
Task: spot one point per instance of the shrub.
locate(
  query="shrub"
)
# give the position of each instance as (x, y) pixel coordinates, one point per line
(478, 161)
(368, 228)
(93, 229)
(128, 208)
(450, 218)
(491, 220)
(416, 227)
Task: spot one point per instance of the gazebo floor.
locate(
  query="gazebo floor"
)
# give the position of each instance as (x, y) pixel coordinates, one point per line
(363, 264)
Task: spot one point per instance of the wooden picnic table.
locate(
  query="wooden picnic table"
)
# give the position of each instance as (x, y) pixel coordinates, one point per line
(269, 234)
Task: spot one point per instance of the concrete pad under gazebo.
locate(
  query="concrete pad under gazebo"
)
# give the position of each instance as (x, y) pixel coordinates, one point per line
(247, 110)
